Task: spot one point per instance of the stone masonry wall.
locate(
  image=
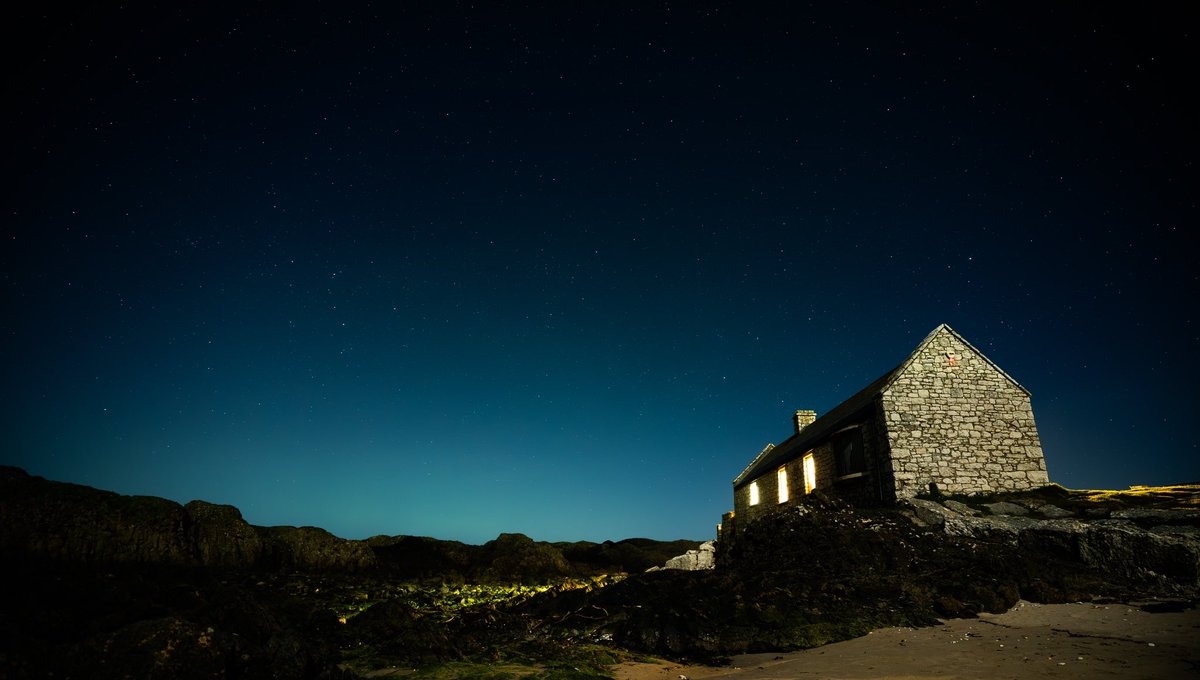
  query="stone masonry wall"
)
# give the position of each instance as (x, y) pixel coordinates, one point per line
(864, 489)
(961, 423)
(768, 492)
(875, 436)
(768, 497)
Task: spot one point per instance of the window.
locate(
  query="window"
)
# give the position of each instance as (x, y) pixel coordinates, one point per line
(848, 452)
(783, 489)
(810, 474)
(753, 493)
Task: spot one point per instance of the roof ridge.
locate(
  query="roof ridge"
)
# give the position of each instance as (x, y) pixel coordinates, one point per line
(766, 449)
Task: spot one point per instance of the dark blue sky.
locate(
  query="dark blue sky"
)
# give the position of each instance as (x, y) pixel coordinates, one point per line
(565, 269)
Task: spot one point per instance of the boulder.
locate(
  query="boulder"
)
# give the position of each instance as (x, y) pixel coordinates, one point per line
(961, 508)
(694, 560)
(1006, 508)
(1044, 508)
(930, 513)
(517, 557)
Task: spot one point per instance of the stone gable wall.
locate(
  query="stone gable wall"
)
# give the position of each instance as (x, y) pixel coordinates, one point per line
(962, 425)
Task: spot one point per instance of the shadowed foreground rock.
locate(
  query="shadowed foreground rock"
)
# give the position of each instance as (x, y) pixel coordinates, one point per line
(109, 586)
(822, 571)
(163, 622)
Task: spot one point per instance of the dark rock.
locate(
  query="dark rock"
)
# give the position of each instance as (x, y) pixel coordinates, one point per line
(312, 548)
(930, 513)
(815, 573)
(631, 555)
(72, 523)
(961, 508)
(1115, 551)
(222, 538)
(420, 557)
(152, 622)
(516, 557)
(1158, 515)
(399, 631)
(62, 521)
(169, 647)
(1006, 508)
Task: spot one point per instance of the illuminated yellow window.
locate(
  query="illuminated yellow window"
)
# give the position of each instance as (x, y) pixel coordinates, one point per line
(783, 490)
(810, 474)
(753, 493)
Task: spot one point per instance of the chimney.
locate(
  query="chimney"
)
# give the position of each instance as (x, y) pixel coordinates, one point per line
(803, 419)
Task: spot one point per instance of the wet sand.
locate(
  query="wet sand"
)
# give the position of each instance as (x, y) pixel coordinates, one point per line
(1073, 641)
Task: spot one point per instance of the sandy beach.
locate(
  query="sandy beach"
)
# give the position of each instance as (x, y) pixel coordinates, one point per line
(1029, 641)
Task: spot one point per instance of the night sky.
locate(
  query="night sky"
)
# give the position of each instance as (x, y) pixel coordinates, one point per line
(453, 270)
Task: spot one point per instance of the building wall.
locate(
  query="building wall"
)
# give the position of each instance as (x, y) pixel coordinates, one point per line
(880, 456)
(875, 485)
(868, 488)
(961, 424)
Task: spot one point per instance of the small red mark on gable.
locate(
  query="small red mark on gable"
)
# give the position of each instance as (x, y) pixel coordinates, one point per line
(952, 358)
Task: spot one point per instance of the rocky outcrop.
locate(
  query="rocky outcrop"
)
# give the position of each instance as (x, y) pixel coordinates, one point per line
(699, 559)
(1162, 553)
(78, 523)
(137, 621)
(312, 549)
(630, 555)
(821, 571)
(422, 557)
(221, 537)
(516, 557)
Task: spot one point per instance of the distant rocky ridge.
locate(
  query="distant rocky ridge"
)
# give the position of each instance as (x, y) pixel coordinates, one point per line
(70, 523)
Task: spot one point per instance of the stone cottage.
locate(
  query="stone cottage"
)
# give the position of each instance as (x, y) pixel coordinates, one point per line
(946, 415)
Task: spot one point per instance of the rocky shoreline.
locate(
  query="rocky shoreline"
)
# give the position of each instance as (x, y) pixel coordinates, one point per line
(110, 586)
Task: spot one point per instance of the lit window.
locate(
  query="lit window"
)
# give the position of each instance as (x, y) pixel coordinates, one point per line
(810, 474)
(783, 490)
(753, 493)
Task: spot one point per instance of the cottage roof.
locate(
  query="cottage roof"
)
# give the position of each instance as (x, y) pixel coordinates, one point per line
(844, 414)
(810, 436)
